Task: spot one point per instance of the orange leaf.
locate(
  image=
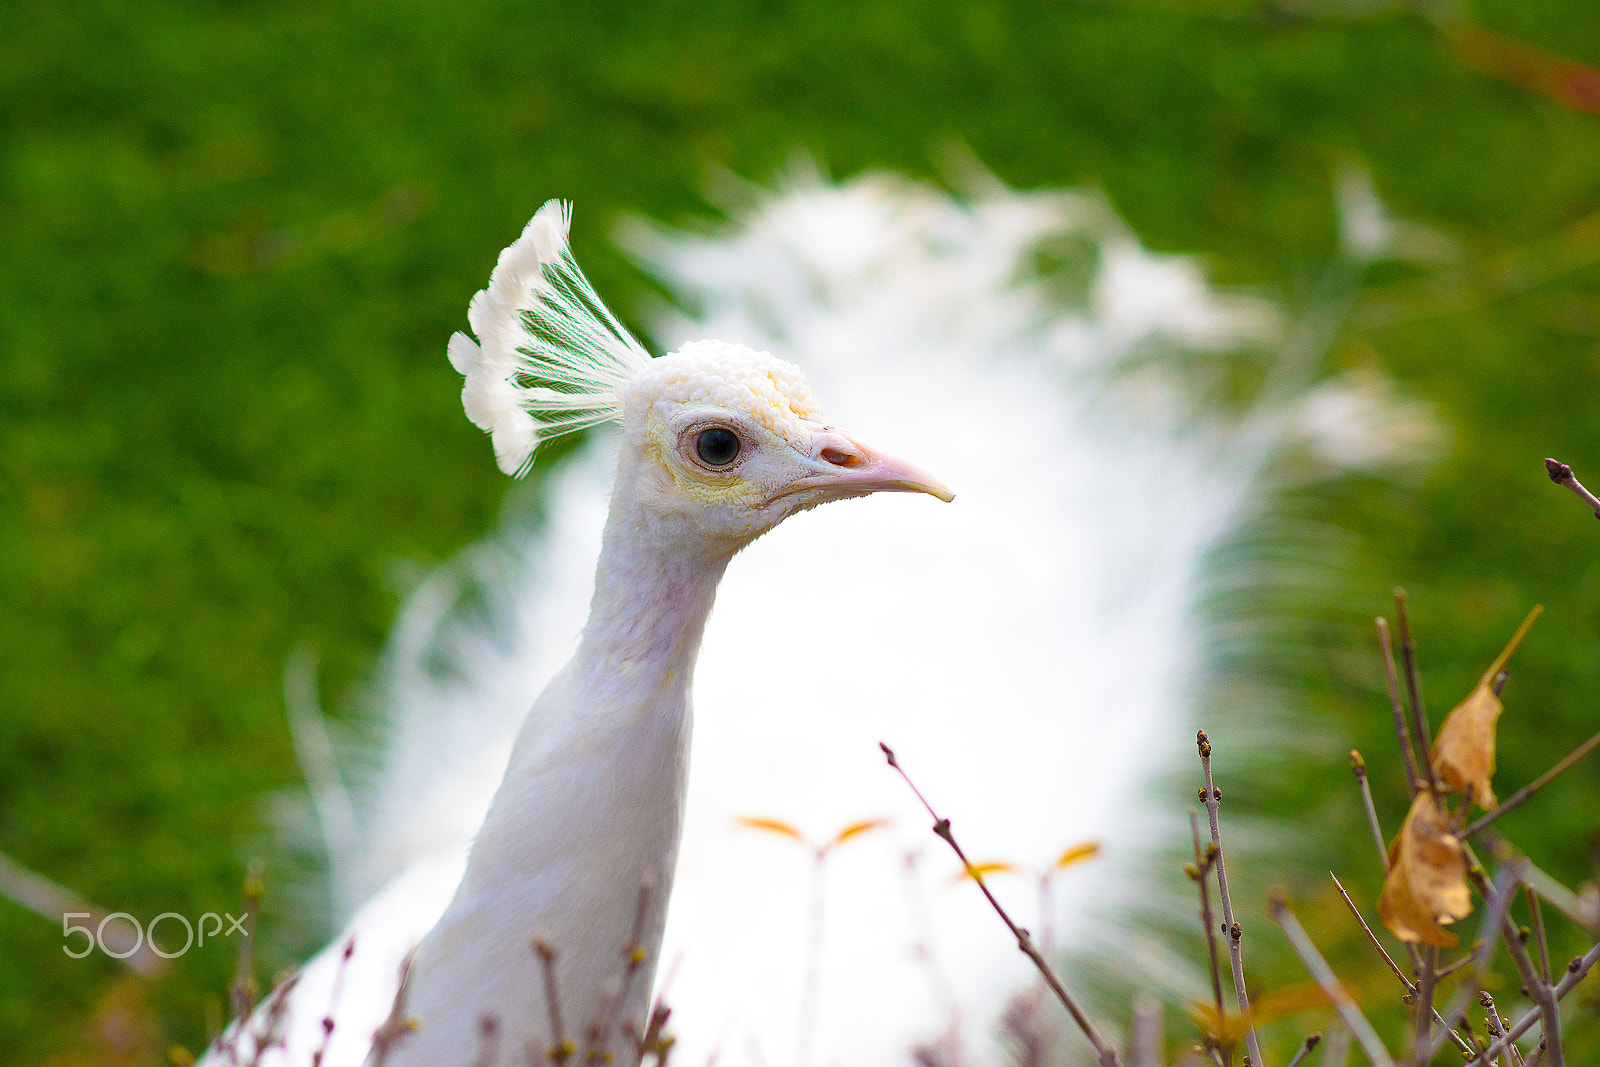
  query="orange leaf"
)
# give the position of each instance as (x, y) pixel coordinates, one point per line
(1464, 752)
(1290, 1000)
(1088, 850)
(1427, 881)
(978, 871)
(771, 826)
(856, 829)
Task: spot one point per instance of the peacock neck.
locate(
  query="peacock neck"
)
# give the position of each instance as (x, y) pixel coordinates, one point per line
(651, 600)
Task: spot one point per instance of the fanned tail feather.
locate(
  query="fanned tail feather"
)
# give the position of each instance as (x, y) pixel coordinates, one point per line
(550, 358)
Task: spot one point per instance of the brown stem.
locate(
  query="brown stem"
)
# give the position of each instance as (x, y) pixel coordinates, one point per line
(1562, 474)
(244, 979)
(1538, 929)
(1577, 970)
(1202, 868)
(1521, 796)
(1419, 715)
(1213, 801)
(1305, 1049)
(1106, 1055)
(1401, 732)
(1306, 949)
(560, 1049)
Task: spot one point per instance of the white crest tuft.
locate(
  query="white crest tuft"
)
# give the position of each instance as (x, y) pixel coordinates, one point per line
(550, 359)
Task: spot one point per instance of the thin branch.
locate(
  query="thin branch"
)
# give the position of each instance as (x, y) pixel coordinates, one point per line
(1577, 970)
(1145, 1047)
(1521, 796)
(1498, 899)
(398, 1026)
(561, 1049)
(1305, 1049)
(1491, 1017)
(1359, 767)
(1402, 734)
(1562, 474)
(1398, 973)
(244, 979)
(328, 1023)
(1348, 1010)
(941, 827)
(633, 956)
(1419, 715)
(1538, 930)
(1203, 861)
(1213, 800)
(1447, 971)
(1411, 989)
(488, 1040)
(1424, 999)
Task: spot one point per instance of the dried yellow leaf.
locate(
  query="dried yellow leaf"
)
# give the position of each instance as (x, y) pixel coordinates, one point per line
(1426, 885)
(771, 826)
(979, 871)
(1290, 1000)
(1464, 752)
(855, 829)
(1077, 854)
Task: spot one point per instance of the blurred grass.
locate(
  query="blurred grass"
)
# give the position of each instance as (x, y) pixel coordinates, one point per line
(238, 234)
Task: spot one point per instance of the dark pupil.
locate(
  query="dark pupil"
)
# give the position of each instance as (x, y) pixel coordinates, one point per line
(717, 446)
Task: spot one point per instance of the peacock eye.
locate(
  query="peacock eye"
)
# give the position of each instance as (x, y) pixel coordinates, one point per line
(717, 447)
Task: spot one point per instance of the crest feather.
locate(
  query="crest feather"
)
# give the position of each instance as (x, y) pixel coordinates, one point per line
(550, 359)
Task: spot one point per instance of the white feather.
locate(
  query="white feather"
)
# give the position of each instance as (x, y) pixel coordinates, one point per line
(1031, 651)
(550, 358)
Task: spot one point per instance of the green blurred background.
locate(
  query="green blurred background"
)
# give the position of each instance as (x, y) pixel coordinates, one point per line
(237, 234)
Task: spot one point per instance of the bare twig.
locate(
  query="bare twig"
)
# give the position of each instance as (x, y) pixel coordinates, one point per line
(1145, 1049)
(1213, 801)
(633, 956)
(1305, 1049)
(1577, 969)
(1419, 715)
(1537, 917)
(1398, 973)
(1539, 990)
(244, 979)
(1401, 732)
(488, 1040)
(1424, 998)
(1562, 474)
(1449, 969)
(1348, 1010)
(1498, 897)
(1411, 988)
(1106, 1055)
(1359, 767)
(561, 1047)
(1520, 797)
(333, 1002)
(655, 1041)
(1491, 1017)
(398, 1026)
(51, 902)
(1203, 860)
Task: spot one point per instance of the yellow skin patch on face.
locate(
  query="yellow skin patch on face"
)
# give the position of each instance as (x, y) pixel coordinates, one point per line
(769, 391)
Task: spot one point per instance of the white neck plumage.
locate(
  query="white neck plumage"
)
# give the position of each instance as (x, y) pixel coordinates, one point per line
(589, 812)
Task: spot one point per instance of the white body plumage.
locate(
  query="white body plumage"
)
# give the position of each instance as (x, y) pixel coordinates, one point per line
(720, 444)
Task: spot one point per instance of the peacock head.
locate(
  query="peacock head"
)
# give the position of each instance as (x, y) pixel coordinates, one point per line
(722, 443)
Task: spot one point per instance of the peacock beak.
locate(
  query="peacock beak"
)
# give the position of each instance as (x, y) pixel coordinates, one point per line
(843, 467)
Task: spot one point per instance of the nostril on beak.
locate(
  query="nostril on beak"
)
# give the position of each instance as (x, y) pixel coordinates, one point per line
(840, 458)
